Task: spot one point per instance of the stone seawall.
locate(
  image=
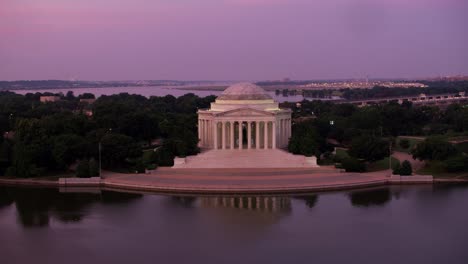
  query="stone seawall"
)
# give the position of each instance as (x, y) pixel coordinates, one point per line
(216, 184)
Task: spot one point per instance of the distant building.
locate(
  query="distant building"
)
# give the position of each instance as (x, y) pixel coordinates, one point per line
(49, 98)
(88, 101)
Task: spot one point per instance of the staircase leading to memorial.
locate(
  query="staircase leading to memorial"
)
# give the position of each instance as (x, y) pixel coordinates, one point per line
(271, 158)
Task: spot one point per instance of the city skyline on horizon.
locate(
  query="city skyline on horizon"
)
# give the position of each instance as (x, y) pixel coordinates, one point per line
(232, 40)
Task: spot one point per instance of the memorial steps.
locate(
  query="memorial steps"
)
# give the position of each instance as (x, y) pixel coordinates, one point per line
(245, 158)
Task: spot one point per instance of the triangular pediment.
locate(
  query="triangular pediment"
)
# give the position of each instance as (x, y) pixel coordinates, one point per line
(245, 112)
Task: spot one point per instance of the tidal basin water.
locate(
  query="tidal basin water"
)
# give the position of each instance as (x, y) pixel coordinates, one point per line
(404, 224)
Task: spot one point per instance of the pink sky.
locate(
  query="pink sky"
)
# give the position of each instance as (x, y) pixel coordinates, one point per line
(232, 39)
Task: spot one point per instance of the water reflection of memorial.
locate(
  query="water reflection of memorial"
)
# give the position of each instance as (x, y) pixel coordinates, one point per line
(247, 215)
(254, 203)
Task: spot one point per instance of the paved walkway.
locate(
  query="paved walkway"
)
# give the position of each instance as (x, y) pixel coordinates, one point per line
(402, 156)
(242, 180)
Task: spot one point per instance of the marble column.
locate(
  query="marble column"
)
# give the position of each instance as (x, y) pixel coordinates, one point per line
(273, 132)
(223, 135)
(215, 128)
(285, 132)
(257, 136)
(199, 130)
(208, 144)
(232, 135)
(240, 135)
(204, 133)
(265, 137)
(249, 135)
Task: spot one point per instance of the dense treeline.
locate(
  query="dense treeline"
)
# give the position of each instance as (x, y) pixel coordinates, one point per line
(138, 133)
(439, 87)
(42, 138)
(381, 92)
(369, 131)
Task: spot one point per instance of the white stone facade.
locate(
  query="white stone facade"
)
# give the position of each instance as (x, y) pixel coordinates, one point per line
(244, 116)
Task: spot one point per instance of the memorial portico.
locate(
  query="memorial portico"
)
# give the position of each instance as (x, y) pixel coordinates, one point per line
(244, 116)
(244, 128)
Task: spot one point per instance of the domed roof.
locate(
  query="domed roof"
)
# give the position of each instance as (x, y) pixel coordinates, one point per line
(244, 91)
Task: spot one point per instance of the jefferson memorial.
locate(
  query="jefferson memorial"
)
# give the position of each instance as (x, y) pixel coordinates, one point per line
(244, 128)
(244, 116)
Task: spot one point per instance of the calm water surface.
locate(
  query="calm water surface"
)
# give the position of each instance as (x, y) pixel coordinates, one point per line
(409, 224)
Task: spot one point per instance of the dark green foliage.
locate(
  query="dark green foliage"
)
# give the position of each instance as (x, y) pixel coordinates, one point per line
(369, 148)
(351, 164)
(50, 137)
(396, 167)
(406, 168)
(82, 170)
(116, 148)
(433, 148)
(458, 163)
(67, 148)
(404, 143)
(93, 168)
(305, 140)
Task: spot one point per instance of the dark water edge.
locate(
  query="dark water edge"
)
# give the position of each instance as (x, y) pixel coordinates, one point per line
(398, 224)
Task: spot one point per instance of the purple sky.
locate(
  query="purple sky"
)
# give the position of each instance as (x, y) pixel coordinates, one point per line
(232, 39)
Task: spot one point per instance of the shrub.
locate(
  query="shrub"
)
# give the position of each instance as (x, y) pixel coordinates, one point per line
(353, 165)
(406, 168)
(82, 170)
(404, 143)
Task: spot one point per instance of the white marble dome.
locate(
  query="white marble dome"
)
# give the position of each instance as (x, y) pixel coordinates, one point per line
(244, 91)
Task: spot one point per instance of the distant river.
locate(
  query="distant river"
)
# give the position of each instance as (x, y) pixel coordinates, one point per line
(403, 224)
(151, 91)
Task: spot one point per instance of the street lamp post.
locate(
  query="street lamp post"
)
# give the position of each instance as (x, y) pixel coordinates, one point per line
(390, 157)
(100, 167)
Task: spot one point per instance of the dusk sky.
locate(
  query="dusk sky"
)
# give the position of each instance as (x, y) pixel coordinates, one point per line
(232, 39)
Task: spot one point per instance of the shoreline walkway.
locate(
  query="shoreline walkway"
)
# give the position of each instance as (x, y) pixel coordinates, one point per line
(230, 181)
(244, 180)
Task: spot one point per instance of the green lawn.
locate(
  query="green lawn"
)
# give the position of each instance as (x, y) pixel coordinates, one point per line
(381, 164)
(375, 166)
(436, 169)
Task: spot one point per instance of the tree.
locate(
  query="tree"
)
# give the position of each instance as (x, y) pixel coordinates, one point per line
(434, 148)
(67, 148)
(369, 148)
(116, 148)
(305, 140)
(406, 169)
